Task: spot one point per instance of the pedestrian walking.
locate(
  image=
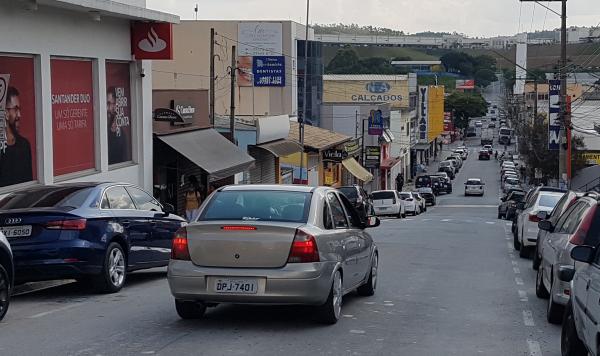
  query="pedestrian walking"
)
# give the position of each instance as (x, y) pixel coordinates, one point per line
(399, 182)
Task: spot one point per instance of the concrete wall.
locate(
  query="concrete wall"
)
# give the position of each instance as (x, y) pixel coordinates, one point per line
(50, 32)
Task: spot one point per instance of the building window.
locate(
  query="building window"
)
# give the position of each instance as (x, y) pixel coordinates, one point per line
(18, 163)
(72, 115)
(118, 112)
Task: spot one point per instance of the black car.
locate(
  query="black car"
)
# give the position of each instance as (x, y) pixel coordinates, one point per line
(359, 199)
(443, 184)
(96, 232)
(423, 181)
(6, 275)
(449, 170)
(508, 206)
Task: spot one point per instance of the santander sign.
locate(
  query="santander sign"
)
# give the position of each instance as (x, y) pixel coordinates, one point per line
(152, 40)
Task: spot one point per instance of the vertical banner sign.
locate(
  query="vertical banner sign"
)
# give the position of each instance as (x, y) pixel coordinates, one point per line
(372, 156)
(118, 112)
(17, 121)
(72, 115)
(269, 71)
(376, 123)
(554, 115)
(423, 114)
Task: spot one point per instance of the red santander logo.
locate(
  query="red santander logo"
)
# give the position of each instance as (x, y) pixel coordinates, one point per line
(152, 40)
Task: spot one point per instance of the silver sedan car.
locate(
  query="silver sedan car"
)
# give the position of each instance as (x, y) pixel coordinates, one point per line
(273, 244)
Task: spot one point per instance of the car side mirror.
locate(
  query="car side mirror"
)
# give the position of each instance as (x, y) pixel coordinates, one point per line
(546, 225)
(168, 208)
(583, 253)
(372, 221)
(542, 215)
(566, 273)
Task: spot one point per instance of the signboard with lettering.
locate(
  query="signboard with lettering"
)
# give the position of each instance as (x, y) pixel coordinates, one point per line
(394, 92)
(269, 71)
(376, 123)
(335, 155)
(554, 115)
(186, 112)
(423, 121)
(372, 156)
(167, 115)
(353, 148)
(260, 38)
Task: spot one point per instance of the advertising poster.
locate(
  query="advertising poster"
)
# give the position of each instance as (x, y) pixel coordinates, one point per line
(423, 124)
(244, 71)
(554, 115)
(260, 39)
(72, 115)
(372, 156)
(118, 112)
(17, 121)
(375, 123)
(269, 71)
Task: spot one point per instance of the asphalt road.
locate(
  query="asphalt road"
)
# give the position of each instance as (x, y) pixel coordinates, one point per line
(449, 285)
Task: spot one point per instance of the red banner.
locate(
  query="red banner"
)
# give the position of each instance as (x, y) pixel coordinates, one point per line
(72, 115)
(118, 112)
(17, 121)
(152, 40)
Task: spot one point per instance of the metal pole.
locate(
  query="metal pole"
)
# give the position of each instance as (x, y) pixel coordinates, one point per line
(562, 156)
(232, 108)
(212, 78)
(304, 96)
(356, 125)
(535, 102)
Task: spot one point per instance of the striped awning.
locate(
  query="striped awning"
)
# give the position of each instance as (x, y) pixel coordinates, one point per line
(357, 170)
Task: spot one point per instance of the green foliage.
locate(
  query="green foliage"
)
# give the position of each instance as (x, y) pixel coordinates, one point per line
(465, 106)
(509, 78)
(354, 29)
(448, 82)
(482, 68)
(347, 61)
(535, 137)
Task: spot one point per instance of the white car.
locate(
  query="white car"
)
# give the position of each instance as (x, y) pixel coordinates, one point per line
(511, 183)
(474, 186)
(543, 199)
(420, 201)
(411, 205)
(388, 202)
(462, 152)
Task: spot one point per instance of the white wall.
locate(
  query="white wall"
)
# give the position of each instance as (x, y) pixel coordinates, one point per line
(49, 32)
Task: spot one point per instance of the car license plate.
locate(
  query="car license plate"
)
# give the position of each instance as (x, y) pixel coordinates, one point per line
(237, 286)
(16, 231)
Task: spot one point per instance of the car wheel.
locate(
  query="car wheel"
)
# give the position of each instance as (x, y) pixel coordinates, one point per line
(524, 252)
(189, 310)
(4, 292)
(499, 215)
(537, 260)
(540, 288)
(555, 311)
(329, 313)
(114, 271)
(368, 289)
(516, 243)
(570, 343)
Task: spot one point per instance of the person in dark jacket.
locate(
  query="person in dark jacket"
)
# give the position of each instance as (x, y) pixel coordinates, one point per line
(399, 182)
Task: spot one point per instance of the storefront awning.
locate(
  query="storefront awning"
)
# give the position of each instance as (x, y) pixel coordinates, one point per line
(281, 148)
(389, 163)
(210, 151)
(357, 170)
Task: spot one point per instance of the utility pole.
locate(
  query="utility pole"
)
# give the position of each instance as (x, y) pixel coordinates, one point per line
(304, 96)
(211, 114)
(535, 102)
(232, 108)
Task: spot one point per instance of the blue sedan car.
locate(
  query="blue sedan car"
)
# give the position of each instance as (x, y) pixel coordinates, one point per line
(96, 232)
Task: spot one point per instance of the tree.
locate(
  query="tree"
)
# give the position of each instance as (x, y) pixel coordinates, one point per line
(535, 138)
(344, 59)
(465, 106)
(484, 77)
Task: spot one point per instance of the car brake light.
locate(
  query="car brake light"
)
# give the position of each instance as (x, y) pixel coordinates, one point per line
(179, 248)
(534, 218)
(77, 224)
(238, 228)
(581, 233)
(304, 248)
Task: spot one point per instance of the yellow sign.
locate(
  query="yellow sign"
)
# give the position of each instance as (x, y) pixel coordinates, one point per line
(436, 111)
(394, 92)
(591, 157)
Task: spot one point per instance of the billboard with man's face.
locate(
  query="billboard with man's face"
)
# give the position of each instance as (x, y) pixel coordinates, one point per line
(17, 121)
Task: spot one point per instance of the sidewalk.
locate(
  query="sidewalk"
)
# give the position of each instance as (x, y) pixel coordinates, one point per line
(434, 163)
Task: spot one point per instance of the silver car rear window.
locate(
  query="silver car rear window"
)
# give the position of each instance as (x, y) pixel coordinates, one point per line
(258, 205)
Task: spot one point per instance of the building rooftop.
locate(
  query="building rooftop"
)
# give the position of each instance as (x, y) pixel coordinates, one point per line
(110, 8)
(416, 63)
(365, 77)
(316, 137)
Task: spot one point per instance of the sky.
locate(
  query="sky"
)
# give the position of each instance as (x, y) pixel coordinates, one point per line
(474, 18)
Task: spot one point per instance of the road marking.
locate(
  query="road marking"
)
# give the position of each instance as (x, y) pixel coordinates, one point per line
(426, 220)
(523, 296)
(67, 307)
(534, 348)
(510, 245)
(508, 224)
(357, 331)
(516, 270)
(446, 220)
(515, 263)
(490, 222)
(519, 281)
(528, 318)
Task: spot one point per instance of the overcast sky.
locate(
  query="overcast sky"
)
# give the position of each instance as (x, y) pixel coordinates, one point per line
(472, 17)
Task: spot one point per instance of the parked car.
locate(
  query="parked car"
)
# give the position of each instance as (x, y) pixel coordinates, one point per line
(448, 167)
(464, 154)
(86, 231)
(578, 225)
(511, 182)
(388, 202)
(474, 186)
(527, 219)
(427, 194)
(563, 204)
(459, 158)
(484, 155)
(455, 163)
(489, 148)
(423, 181)
(359, 199)
(420, 200)
(446, 183)
(273, 244)
(478, 124)
(438, 184)
(492, 125)
(580, 328)
(507, 207)
(411, 205)
(6, 275)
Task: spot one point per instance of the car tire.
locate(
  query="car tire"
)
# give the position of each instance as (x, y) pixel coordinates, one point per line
(4, 292)
(330, 312)
(189, 310)
(368, 289)
(555, 311)
(499, 215)
(516, 243)
(537, 260)
(114, 270)
(540, 289)
(570, 343)
(524, 252)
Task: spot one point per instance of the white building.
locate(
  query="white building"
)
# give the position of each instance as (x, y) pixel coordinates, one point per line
(78, 105)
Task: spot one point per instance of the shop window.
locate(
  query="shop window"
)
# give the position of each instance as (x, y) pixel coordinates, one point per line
(18, 162)
(118, 112)
(72, 115)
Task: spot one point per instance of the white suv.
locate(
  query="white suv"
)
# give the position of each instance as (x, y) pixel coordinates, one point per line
(6, 275)
(388, 202)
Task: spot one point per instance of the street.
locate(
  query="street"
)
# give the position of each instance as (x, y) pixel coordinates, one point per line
(450, 284)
